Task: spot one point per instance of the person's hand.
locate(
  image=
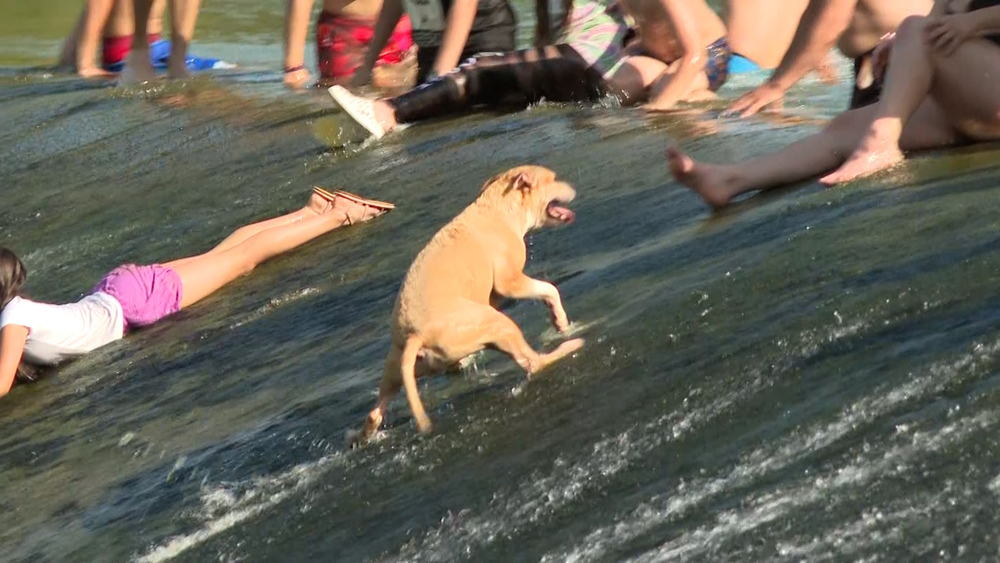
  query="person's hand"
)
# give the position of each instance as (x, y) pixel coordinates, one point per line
(362, 77)
(827, 71)
(756, 100)
(659, 106)
(880, 55)
(296, 78)
(947, 33)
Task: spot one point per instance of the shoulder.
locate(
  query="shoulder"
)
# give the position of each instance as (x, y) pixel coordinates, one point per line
(17, 312)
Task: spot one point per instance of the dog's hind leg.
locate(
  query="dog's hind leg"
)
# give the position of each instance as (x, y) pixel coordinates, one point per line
(387, 390)
(502, 333)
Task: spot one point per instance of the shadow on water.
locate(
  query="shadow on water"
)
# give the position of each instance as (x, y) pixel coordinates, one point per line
(811, 373)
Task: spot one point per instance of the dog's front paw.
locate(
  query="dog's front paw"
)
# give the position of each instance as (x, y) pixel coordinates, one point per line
(561, 323)
(424, 424)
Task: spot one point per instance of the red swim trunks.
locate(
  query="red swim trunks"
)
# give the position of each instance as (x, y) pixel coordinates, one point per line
(341, 43)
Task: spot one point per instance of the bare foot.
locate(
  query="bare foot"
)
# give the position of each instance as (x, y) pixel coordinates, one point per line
(878, 151)
(177, 71)
(94, 72)
(138, 69)
(705, 179)
(318, 205)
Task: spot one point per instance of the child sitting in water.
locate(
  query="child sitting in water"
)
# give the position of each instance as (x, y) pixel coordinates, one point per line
(681, 54)
(38, 334)
(344, 31)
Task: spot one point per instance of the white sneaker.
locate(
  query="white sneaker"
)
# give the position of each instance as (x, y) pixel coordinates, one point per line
(361, 110)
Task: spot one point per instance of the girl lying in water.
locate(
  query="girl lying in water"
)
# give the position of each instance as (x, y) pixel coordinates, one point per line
(680, 54)
(942, 88)
(38, 334)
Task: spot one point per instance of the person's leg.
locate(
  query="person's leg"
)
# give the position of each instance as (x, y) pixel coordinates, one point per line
(183, 16)
(138, 67)
(80, 50)
(717, 184)
(67, 57)
(317, 205)
(966, 85)
(555, 73)
(154, 27)
(242, 251)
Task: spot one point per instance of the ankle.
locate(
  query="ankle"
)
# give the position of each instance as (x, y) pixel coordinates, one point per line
(886, 128)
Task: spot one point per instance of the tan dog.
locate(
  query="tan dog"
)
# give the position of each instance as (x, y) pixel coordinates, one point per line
(444, 310)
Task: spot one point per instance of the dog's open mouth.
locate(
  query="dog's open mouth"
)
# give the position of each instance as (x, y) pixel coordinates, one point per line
(560, 213)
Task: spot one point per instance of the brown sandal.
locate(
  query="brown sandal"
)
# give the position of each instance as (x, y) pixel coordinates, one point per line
(382, 206)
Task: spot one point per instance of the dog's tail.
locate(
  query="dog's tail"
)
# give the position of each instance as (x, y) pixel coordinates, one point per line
(408, 368)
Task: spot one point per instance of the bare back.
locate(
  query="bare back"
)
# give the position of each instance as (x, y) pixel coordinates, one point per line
(873, 19)
(762, 30)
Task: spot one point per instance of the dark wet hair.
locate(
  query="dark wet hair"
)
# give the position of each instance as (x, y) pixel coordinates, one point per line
(543, 23)
(12, 277)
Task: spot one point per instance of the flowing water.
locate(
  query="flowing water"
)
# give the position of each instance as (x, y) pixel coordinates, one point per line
(812, 375)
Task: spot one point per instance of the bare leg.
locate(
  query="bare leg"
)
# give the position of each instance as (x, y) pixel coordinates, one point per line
(183, 16)
(67, 57)
(138, 68)
(80, 49)
(316, 206)
(246, 248)
(121, 23)
(717, 184)
(155, 24)
(964, 84)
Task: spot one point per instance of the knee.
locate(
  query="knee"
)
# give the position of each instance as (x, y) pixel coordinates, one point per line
(246, 264)
(911, 28)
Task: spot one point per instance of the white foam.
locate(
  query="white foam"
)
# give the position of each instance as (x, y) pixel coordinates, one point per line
(763, 461)
(222, 508)
(544, 495)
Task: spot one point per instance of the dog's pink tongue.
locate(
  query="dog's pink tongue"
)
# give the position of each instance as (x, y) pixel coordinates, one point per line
(561, 213)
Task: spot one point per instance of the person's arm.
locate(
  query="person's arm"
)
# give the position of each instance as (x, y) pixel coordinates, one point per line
(946, 34)
(456, 33)
(669, 88)
(12, 339)
(296, 28)
(822, 24)
(388, 18)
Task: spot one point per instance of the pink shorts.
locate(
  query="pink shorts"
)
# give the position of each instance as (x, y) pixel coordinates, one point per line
(146, 293)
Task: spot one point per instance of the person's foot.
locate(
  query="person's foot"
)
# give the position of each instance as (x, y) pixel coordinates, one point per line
(138, 68)
(351, 211)
(177, 69)
(377, 116)
(878, 151)
(318, 204)
(706, 180)
(92, 72)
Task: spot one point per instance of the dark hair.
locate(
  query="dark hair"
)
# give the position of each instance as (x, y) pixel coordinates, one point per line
(543, 25)
(12, 276)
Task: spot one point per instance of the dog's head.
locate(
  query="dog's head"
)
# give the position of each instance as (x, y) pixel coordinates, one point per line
(531, 193)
